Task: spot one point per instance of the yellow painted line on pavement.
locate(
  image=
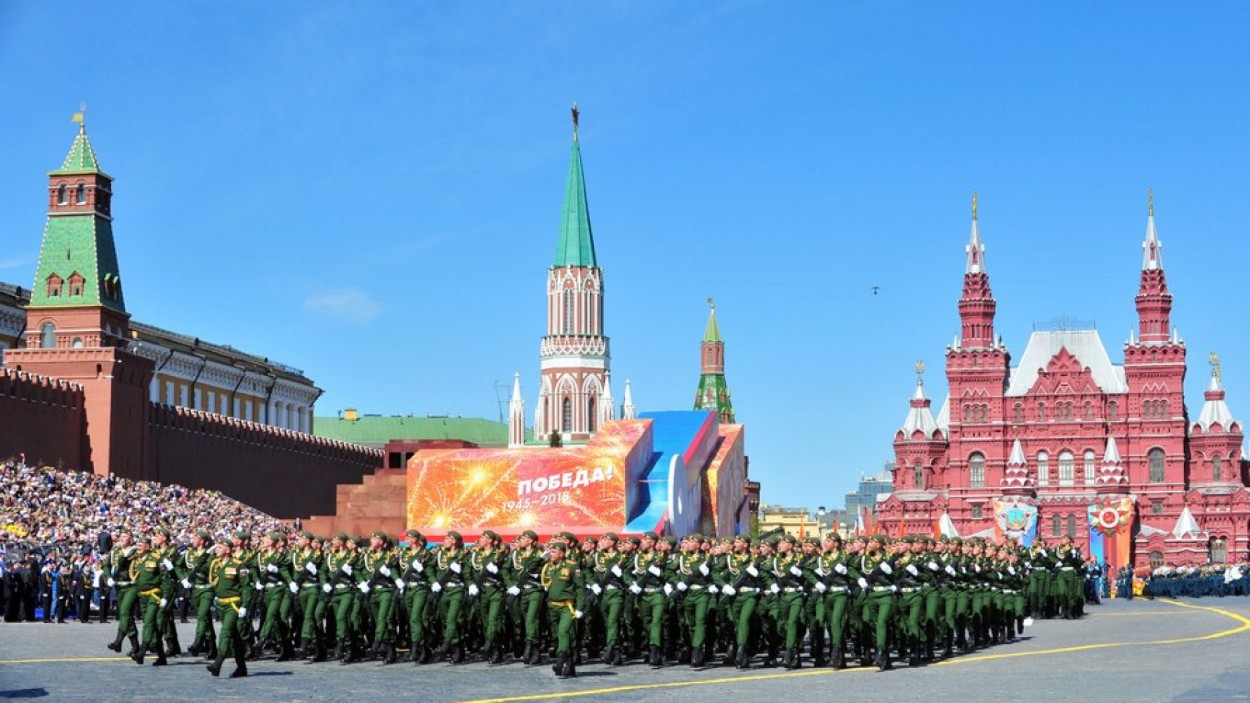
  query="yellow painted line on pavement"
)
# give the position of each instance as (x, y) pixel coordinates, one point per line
(66, 660)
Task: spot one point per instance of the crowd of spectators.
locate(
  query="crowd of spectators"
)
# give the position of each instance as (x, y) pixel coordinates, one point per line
(56, 526)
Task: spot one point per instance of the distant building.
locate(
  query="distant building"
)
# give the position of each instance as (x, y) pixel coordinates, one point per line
(871, 490)
(376, 430)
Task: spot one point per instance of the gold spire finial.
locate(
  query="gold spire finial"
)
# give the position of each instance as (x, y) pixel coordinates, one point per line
(974, 205)
(576, 115)
(1150, 201)
(712, 304)
(919, 367)
(81, 117)
(1214, 360)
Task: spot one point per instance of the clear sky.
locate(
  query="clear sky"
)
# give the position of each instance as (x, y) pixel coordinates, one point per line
(371, 191)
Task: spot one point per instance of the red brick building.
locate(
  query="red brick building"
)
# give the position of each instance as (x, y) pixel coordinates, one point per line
(1065, 428)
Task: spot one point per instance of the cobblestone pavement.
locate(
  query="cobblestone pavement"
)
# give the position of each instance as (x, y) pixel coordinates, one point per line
(1140, 651)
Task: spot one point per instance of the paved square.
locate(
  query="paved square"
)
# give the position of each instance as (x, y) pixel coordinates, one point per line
(1139, 650)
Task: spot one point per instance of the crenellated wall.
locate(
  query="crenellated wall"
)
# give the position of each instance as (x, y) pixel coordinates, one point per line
(42, 417)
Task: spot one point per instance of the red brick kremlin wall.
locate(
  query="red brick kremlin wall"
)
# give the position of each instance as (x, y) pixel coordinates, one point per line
(41, 417)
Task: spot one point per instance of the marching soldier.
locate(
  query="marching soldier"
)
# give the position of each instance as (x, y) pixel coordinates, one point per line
(877, 580)
(449, 584)
(378, 581)
(305, 570)
(415, 560)
(194, 575)
(566, 593)
(788, 577)
(337, 583)
(487, 564)
(523, 577)
(148, 575)
(118, 569)
(229, 577)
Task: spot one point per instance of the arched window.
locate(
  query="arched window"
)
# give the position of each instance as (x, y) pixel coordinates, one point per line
(1041, 412)
(1043, 468)
(1163, 408)
(568, 311)
(1111, 410)
(1155, 458)
(1066, 469)
(54, 285)
(1216, 469)
(62, 198)
(588, 324)
(80, 195)
(47, 336)
(566, 416)
(918, 477)
(1089, 467)
(1219, 551)
(77, 343)
(590, 415)
(1156, 560)
(976, 470)
(1019, 412)
(1055, 527)
(1072, 526)
(1089, 410)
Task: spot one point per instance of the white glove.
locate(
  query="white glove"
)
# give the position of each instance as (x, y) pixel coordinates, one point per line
(186, 583)
(325, 588)
(490, 566)
(310, 568)
(347, 569)
(668, 589)
(840, 568)
(950, 569)
(653, 570)
(635, 588)
(820, 571)
(863, 583)
(418, 566)
(820, 586)
(616, 571)
(911, 569)
(594, 587)
(1011, 570)
(704, 570)
(977, 567)
(713, 589)
(259, 586)
(577, 614)
(796, 571)
(932, 566)
(473, 590)
(112, 583)
(681, 585)
(363, 586)
(753, 571)
(164, 602)
(436, 587)
(885, 566)
(293, 587)
(728, 590)
(242, 613)
(776, 588)
(386, 570)
(893, 588)
(399, 583)
(514, 591)
(272, 568)
(455, 566)
(169, 565)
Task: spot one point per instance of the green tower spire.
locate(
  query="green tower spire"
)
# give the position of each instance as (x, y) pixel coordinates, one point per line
(78, 259)
(713, 391)
(577, 244)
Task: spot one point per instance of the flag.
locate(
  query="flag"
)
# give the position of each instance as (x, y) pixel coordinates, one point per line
(860, 527)
(937, 527)
(902, 524)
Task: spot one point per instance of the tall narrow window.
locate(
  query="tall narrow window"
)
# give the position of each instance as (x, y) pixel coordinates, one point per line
(62, 198)
(1041, 412)
(1155, 458)
(976, 470)
(1089, 467)
(568, 311)
(1219, 551)
(1019, 412)
(918, 477)
(81, 194)
(1067, 469)
(1054, 526)
(1216, 469)
(566, 416)
(590, 415)
(1111, 410)
(1043, 469)
(47, 336)
(587, 324)
(1072, 526)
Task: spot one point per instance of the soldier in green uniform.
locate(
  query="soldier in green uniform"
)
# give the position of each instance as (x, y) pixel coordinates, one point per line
(835, 572)
(241, 549)
(908, 560)
(154, 590)
(742, 586)
(305, 569)
(566, 593)
(693, 577)
(450, 585)
(167, 553)
(771, 632)
(272, 574)
(788, 579)
(229, 577)
(525, 586)
(486, 566)
(813, 613)
(193, 573)
(607, 582)
(337, 584)
(948, 592)
(118, 570)
(379, 574)
(877, 579)
(649, 578)
(414, 560)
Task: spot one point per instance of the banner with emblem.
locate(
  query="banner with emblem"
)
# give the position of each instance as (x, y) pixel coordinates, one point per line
(1015, 520)
(1110, 530)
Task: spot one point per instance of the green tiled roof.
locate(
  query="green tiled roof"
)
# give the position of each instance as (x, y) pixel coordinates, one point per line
(712, 333)
(81, 244)
(713, 394)
(81, 157)
(577, 244)
(369, 429)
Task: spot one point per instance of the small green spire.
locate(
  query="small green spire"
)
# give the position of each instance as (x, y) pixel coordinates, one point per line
(577, 244)
(712, 333)
(81, 157)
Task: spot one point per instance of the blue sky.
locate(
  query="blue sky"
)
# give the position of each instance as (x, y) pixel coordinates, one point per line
(371, 191)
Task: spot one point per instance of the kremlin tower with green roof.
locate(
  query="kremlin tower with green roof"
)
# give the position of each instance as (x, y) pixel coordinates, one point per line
(713, 392)
(575, 396)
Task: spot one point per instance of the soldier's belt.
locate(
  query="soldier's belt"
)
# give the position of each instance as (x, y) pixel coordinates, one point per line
(200, 585)
(652, 589)
(909, 589)
(838, 589)
(416, 584)
(151, 592)
(748, 589)
(881, 589)
(792, 589)
(697, 587)
(1067, 568)
(309, 585)
(122, 584)
(611, 587)
(272, 585)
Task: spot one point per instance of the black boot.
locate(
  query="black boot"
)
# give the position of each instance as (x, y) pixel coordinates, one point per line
(458, 654)
(570, 669)
(882, 662)
(116, 645)
(696, 658)
(160, 654)
(211, 652)
(288, 652)
(947, 651)
(839, 660)
(134, 646)
(528, 655)
(305, 648)
(496, 658)
(319, 652)
(558, 667)
(140, 654)
(194, 648)
(609, 655)
(440, 654)
(215, 667)
(913, 649)
(239, 671)
(388, 654)
(795, 658)
(743, 658)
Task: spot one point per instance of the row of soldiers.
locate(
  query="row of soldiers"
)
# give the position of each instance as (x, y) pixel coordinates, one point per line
(659, 599)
